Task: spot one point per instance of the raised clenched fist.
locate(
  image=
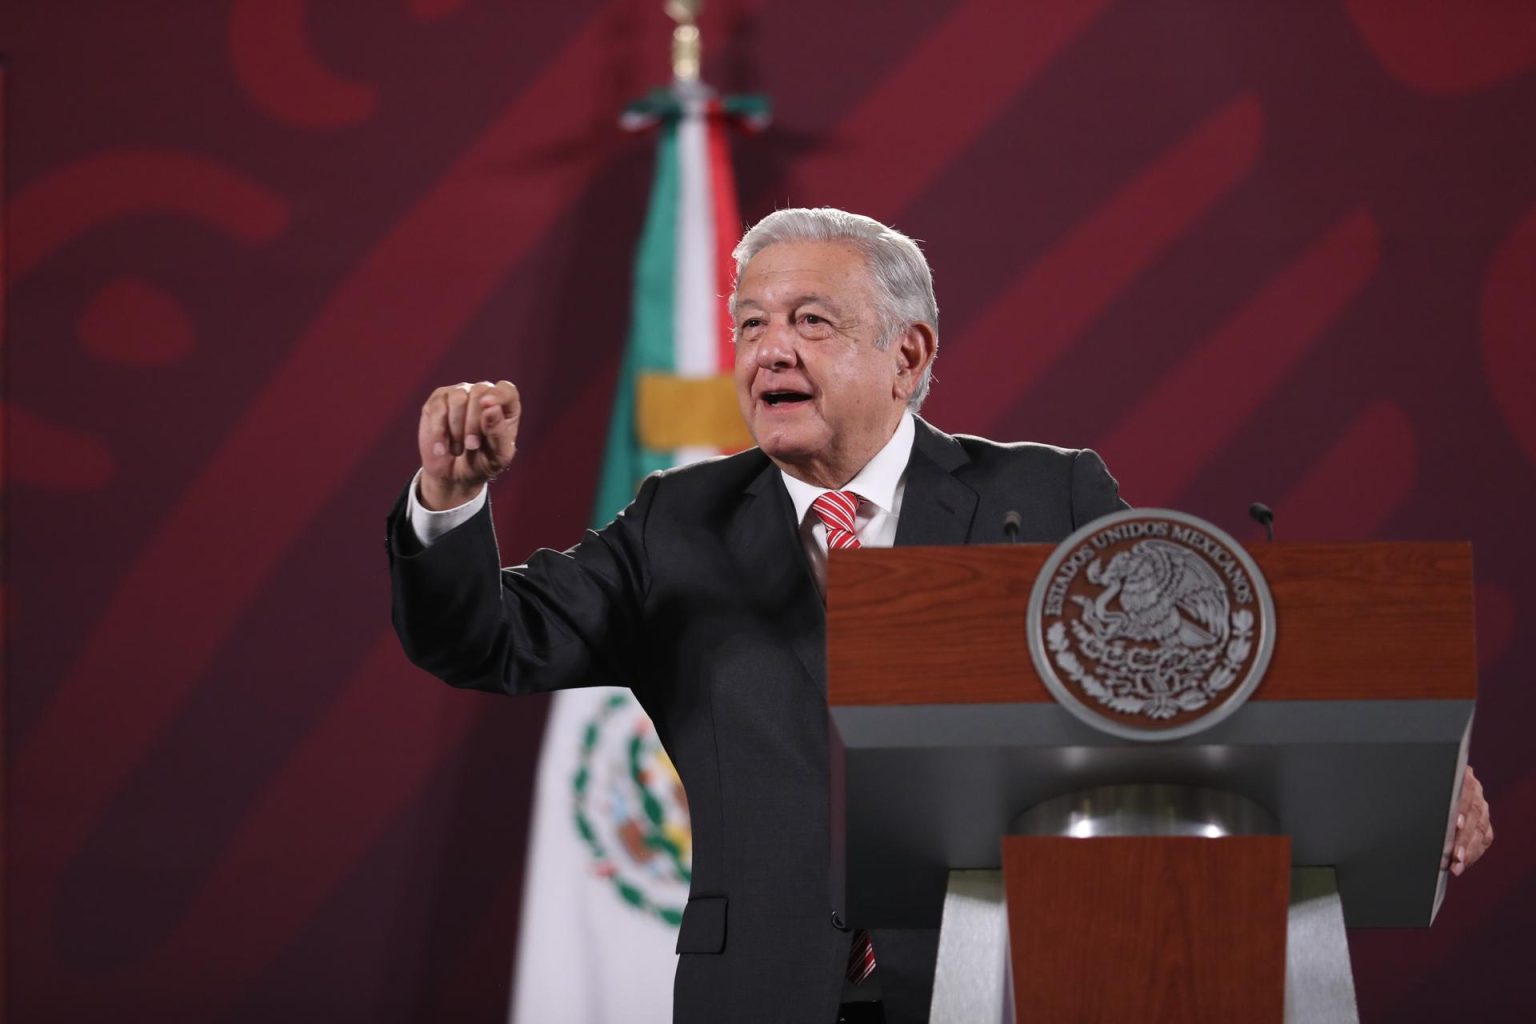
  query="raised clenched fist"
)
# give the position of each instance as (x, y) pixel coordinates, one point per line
(467, 435)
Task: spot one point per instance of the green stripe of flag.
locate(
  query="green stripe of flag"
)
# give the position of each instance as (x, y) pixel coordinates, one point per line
(649, 346)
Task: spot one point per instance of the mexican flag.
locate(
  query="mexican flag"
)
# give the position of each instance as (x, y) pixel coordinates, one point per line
(610, 850)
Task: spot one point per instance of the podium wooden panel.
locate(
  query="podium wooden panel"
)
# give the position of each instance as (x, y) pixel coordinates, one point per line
(1355, 621)
(1139, 928)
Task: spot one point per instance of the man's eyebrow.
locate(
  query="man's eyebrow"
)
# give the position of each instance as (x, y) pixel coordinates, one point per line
(814, 298)
(808, 299)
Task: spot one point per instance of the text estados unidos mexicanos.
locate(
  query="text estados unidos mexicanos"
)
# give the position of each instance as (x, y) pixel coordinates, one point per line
(1056, 593)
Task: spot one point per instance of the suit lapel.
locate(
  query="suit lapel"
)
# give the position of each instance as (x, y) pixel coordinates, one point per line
(936, 508)
(774, 573)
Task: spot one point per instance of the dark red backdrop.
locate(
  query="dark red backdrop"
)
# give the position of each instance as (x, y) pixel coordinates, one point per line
(1246, 249)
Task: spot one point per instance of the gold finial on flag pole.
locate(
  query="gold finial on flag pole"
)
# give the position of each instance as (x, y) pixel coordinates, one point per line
(686, 46)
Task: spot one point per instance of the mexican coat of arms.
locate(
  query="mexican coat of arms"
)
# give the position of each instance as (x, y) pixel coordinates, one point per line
(1151, 624)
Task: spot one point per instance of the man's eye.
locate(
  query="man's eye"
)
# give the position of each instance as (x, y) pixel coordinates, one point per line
(811, 318)
(752, 322)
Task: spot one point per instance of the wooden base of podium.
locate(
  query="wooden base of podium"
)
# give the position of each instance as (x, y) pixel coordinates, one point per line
(973, 981)
(1148, 928)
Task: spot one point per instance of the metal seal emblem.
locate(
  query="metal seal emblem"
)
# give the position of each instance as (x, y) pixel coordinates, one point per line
(1151, 624)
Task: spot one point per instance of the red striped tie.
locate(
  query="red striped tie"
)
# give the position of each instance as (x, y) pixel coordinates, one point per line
(861, 957)
(837, 510)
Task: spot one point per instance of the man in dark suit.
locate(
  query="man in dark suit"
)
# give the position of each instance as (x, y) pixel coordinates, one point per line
(704, 596)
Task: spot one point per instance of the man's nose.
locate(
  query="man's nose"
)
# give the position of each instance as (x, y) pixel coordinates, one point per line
(776, 349)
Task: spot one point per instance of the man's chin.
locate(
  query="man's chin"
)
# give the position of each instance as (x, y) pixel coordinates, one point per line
(787, 447)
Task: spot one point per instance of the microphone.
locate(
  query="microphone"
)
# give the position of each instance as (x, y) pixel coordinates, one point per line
(1264, 516)
(1012, 524)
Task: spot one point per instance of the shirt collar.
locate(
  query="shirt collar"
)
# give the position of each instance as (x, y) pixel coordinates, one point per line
(876, 483)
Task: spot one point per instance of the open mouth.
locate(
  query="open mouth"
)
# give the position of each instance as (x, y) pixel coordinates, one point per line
(778, 398)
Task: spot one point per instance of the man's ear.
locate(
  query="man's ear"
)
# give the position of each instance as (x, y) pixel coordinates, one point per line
(914, 350)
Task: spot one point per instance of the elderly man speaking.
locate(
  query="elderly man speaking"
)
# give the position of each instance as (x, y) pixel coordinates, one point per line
(705, 596)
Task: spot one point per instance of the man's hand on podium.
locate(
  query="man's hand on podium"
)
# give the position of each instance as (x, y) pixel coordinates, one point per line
(1474, 831)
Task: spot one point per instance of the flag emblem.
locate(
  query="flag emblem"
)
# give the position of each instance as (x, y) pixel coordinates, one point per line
(631, 811)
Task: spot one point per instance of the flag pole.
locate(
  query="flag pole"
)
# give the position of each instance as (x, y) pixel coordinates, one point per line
(687, 44)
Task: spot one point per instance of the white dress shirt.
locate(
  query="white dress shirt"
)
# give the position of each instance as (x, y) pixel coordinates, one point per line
(879, 485)
(430, 524)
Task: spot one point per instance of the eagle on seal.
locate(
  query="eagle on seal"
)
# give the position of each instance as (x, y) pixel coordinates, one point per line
(1167, 595)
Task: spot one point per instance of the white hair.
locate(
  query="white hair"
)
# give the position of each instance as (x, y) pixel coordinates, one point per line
(903, 281)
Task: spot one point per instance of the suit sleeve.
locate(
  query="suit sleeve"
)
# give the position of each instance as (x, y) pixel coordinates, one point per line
(563, 619)
(1094, 492)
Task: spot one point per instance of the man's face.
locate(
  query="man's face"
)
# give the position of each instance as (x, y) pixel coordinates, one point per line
(817, 395)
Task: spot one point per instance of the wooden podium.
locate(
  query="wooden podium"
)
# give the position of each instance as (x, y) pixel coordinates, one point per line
(944, 737)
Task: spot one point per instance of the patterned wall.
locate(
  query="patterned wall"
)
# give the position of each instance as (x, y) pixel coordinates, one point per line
(1248, 250)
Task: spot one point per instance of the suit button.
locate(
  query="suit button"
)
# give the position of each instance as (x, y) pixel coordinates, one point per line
(838, 923)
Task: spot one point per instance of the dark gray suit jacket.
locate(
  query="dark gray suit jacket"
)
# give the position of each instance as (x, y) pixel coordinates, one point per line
(698, 597)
